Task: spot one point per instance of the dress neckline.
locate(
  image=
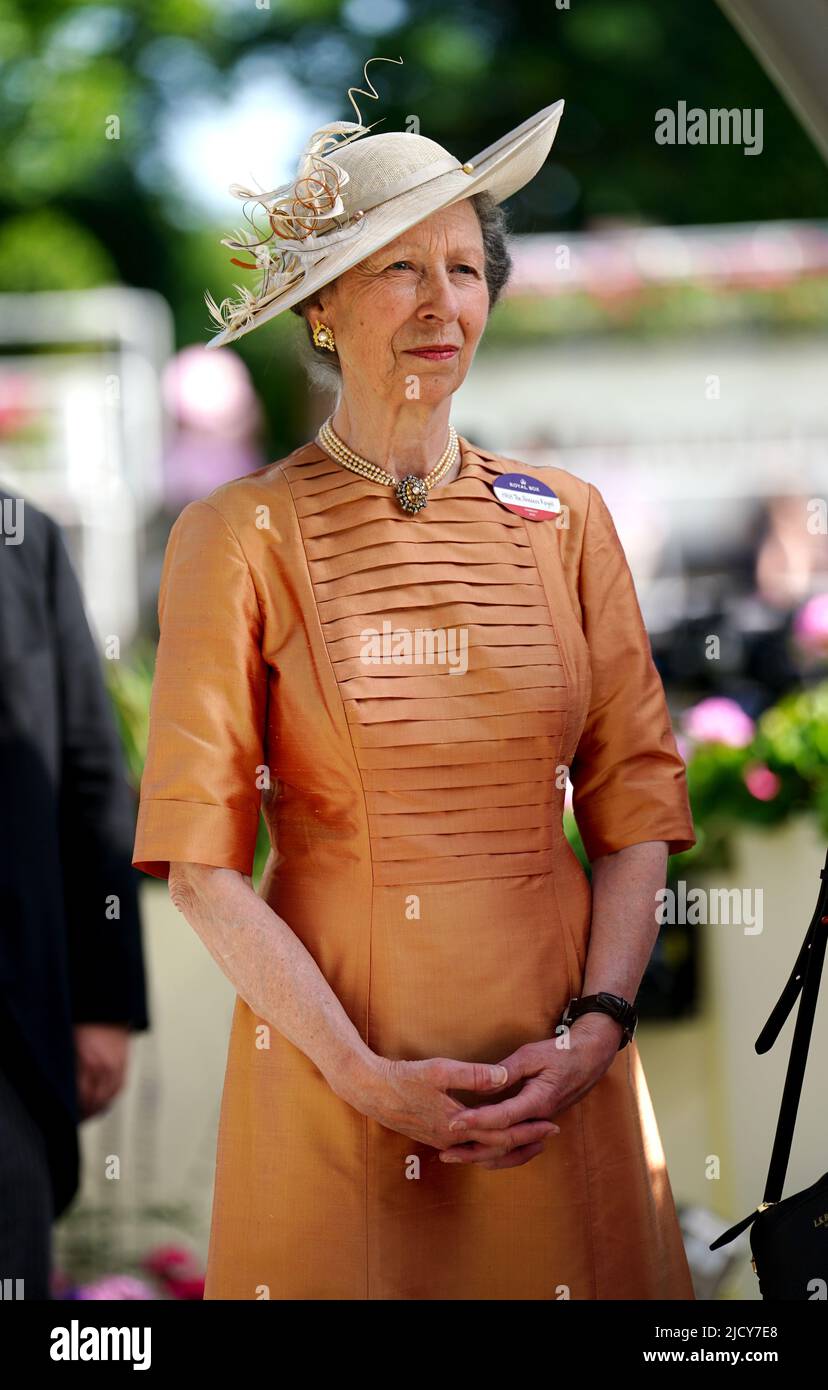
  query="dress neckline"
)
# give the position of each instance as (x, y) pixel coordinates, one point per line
(467, 454)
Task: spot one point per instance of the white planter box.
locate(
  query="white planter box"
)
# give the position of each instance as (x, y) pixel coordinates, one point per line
(743, 976)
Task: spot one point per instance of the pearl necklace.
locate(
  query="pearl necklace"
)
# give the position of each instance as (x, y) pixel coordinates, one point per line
(411, 492)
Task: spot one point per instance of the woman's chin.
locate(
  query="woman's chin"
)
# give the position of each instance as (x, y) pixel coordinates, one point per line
(438, 380)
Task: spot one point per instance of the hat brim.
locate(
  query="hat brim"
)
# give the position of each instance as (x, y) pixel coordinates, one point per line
(501, 169)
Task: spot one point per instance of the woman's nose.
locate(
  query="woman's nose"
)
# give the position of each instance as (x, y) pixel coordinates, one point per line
(439, 296)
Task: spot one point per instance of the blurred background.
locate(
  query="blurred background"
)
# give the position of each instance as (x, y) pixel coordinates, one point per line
(664, 336)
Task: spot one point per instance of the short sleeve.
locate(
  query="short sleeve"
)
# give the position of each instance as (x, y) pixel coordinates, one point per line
(200, 797)
(628, 777)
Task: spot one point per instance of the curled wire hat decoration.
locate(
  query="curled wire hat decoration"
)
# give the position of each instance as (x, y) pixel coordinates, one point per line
(306, 217)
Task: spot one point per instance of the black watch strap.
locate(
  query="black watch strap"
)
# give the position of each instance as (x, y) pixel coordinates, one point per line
(613, 1004)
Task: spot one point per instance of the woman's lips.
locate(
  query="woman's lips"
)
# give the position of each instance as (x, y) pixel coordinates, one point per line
(436, 354)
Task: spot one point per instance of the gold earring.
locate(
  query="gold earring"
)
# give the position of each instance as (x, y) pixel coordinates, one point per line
(323, 336)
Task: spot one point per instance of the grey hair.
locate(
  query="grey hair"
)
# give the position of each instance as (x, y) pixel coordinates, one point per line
(322, 365)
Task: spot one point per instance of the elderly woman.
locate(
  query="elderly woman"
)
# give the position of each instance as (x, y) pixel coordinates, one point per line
(399, 651)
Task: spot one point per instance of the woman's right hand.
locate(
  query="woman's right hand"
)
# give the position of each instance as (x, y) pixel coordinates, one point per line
(410, 1098)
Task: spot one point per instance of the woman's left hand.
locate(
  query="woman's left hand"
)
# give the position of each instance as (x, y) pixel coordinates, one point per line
(558, 1072)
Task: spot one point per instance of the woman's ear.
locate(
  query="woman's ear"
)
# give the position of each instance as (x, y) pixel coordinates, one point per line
(322, 306)
(314, 309)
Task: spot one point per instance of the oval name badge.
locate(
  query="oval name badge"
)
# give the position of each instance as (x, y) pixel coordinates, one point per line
(527, 496)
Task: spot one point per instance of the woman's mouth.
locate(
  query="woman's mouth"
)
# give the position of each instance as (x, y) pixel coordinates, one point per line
(436, 354)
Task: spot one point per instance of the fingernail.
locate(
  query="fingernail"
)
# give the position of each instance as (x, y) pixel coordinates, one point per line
(448, 1158)
(499, 1075)
(458, 1124)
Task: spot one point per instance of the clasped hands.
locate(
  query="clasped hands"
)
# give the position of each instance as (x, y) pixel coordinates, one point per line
(412, 1097)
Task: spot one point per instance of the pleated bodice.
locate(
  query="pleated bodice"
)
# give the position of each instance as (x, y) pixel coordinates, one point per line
(439, 634)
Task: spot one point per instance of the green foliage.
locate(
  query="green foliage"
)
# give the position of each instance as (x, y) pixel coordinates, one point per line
(130, 685)
(791, 742)
(660, 311)
(49, 250)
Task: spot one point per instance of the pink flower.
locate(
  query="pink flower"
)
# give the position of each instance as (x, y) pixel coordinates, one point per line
(163, 1256)
(178, 1271)
(810, 626)
(761, 782)
(117, 1286)
(719, 720)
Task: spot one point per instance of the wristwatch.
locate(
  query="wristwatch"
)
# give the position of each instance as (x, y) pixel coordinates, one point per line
(613, 1004)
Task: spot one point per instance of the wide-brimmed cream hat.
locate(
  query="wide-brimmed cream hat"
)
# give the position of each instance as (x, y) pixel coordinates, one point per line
(353, 194)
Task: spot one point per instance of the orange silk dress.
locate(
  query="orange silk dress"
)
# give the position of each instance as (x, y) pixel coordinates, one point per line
(415, 814)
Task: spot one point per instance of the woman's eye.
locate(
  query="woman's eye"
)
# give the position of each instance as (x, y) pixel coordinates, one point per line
(407, 265)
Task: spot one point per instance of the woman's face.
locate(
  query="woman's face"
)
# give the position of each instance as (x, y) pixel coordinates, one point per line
(426, 287)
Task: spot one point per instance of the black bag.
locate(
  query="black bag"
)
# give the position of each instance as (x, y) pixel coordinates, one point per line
(789, 1237)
